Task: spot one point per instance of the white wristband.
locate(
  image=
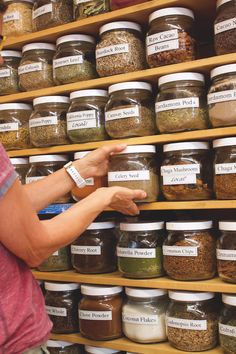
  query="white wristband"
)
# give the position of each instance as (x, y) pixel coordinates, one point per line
(74, 174)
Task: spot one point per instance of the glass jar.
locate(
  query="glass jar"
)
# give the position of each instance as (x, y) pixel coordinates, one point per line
(186, 171)
(144, 315)
(47, 122)
(189, 251)
(62, 301)
(94, 252)
(225, 168)
(136, 168)
(139, 249)
(14, 125)
(9, 72)
(170, 38)
(192, 321)
(226, 251)
(100, 312)
(35, 70)
(59, 347)
(86, 116)
(227, 324)
(130, 110)
(51, 13)
(181, 103)
(21, 165)
(17, 19)
(120, 49)
(87, 8)
(98, 350)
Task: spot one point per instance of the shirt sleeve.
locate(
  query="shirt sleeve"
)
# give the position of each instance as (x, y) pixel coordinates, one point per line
(7, 172)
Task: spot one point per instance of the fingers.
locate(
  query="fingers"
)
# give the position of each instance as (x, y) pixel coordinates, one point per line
(111, 149)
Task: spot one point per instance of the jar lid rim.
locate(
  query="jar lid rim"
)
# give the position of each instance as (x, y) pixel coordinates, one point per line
(19, 160)
(189, 225)
(192, 145)
(223, 69)
(169, 11)
(93, 290)
(48, 158)
(120, 25)
(221, 2)
(11, 53)
(58, 344)
(132, 149)
(102, 225)
(98, 350)
(75, 37)
(227, 225)
(224, 142)
(80, 154)
(130, 85)
(186, 296)
(229, 299)
(142, 226)
(6, 106)
(181, 77)
(87, 93)
(38, 45)
(61, 286)
(51, 99)
(144, 293)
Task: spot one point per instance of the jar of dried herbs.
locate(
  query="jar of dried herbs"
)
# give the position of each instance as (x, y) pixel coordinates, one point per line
(21, 166)
(51, 13)
(17, 19)
(87, 8)
(186, 171)
(136, 168)
(14, 125)
(139, 249)
(62, 301)
(120, 49)
(192, 321)
(35, 70)
(9, 72)
(227, 324)
(189, 251)
(74, 59)
(130, 110)
(86, 116)
(181, 103)
(97, 350)
(60, 347)
(47, 122)
(226, 251)
(170, 38)
(225, 168)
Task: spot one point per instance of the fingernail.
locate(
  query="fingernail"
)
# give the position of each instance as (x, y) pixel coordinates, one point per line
(144, 194)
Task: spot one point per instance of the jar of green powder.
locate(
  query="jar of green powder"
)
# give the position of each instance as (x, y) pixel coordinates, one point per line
(227, 324)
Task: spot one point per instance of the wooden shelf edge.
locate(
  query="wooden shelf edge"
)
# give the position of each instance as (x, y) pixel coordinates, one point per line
(190, 205)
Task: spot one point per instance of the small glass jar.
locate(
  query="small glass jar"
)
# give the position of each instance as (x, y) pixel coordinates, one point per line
(94, 252)
(192, 321)
(21, 165)
(60, 347)
(130, 110)
(51, 13)
(136, 168)
(225, 168)
(170, 38)
(144, 315)
(186, 171)
(181, 103)
(62, 301)
(47, 122)
(120, 49)
(17, 20)
(35, 70)
(9, 72)
(139, 249)
(87, 8)
(14, 125)
(97, 350)
(227, 324)
(226, 251)
(189, 251)
(86, 116)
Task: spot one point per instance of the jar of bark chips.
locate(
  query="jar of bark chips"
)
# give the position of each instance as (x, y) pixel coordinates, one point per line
(9, 72)
(227, 324)
(17, 20)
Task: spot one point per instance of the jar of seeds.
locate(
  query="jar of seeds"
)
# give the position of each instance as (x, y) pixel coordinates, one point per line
(130, 110)
(35, 70)
(87, 8)
(120, 49)
(21, 165)
(17, 19)
(47, 122)
(9, 72)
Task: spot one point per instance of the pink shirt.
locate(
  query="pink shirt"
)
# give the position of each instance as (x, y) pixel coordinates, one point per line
(23, 321)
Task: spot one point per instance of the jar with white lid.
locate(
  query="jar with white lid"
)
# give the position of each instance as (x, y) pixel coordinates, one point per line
(130, 110)
(17, 20)
(227, 324)
(135, 167)
(62, 301)
(170, 38)
(192, 321)
(47, 122)
(189, 251)
(181, 103)
(9, 72)
(21, 165)
(14, 125)
(60, 347)
(120, 49)
(35, 70)
(86, 116)
(186, 171)
(97, 350)
(139, 249)
(226, 251)
(144, 315)
(225, 168)
(100, 312)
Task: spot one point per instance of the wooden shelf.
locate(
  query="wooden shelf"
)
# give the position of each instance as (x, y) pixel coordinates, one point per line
(190, 205)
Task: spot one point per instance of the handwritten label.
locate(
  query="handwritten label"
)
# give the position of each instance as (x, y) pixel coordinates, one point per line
(86, 250)
(95, 315)
(81, 120)
(71, 60)
(136, 252)
(179, 103)
(122, 113)
(180, 251)
(39, 122)
(112, 50)
(194, 325)
(128, 176)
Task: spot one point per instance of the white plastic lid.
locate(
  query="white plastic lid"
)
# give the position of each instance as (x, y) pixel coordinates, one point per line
(145, 293)
(6, 106)
(193, 145)
(188, 225)
(181, 77)
(51, 99)
(75, 37)
(142, 226)
(190, 296)
(94, 290)
(169, 11)
(48, 158)
(31, 1)
(120, 25)
(221, 2)
(227, 225)
(34, 46)
(11, 53)
(61, 287)
(97, 350)
(131, 85)
(88, 93)
(19, 160)
(58, 344)
(133, 149)
(224, 142)
(101, 225)
(223, 69)
(80, 154)
(229, 299)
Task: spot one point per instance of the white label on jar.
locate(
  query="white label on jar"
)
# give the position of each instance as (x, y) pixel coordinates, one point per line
(140, 319)
(81, 1)
(180, 251)
(87, 250)
(221, 96)
(162, 37)
(29, 68)
(55, 253)
(11, 16)
(179, 179)
(173, 170)
(76, 59)
(9, 127)
(225, 168)
(81, 120)
(39, 122)
(95, 315)
(195, 325)
(33, 179)
(111, 50)
(179, 103)
(226, 255)
(121, 176)
(122, 113)
(136, 252)
(162, 47)
(225, 25)
(56, 311)
(89, 181)
(227, 330)
(5, 72)
(42, 10)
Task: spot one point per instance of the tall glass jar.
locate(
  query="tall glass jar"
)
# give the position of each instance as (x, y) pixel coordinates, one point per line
(170, 38)
(130, 110)
(60, 347)
(9, 72)
(21, 165)
(181, 103)
(35, 70)
(87, 8)
(227, 324)
(17, 19)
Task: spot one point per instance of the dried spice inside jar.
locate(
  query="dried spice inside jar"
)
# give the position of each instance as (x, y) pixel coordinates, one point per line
(21, 166)
(227, 324)
(60, 347)
(86, 8)
(58, 261)
(17, 19)
(9, 72)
